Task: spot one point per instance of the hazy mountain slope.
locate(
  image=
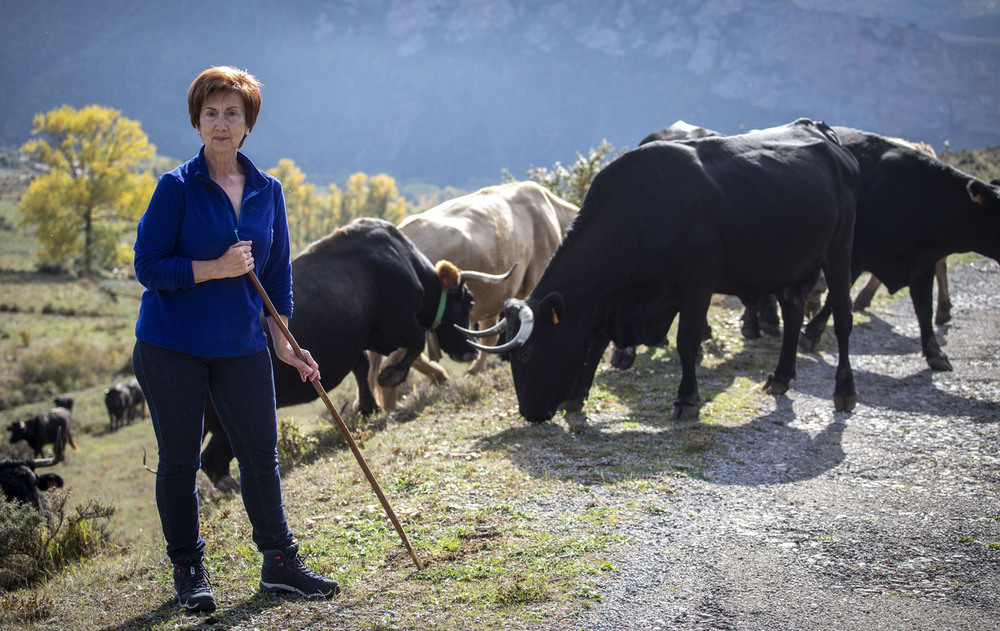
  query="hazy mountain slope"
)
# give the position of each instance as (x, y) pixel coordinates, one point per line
(453, 91)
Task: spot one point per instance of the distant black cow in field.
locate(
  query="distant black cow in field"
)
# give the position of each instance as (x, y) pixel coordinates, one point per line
(46, 428)
(118, 400)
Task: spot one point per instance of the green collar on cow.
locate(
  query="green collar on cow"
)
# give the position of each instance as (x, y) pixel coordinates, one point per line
(440, 312)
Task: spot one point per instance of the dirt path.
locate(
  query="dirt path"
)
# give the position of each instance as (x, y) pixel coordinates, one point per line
(887, 518)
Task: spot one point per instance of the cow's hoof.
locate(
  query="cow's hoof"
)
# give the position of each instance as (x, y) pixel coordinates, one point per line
(773, 386)
(845, 402)
(939, 363)
(572, 407)
(392, 376)
(227, 484)
(943, 316)
(807, 343)
(622, 358)
(750, 332)
(685, 412)
(770, 328)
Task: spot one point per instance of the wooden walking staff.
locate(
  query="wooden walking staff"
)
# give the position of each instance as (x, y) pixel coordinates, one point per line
(340, 422)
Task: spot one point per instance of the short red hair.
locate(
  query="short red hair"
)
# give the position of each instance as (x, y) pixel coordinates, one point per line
(225, 79)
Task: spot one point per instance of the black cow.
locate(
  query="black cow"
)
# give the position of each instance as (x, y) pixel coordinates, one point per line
(118, 401)
(64, 401)
(912, 211)
(20, 482)
(47, 428)
(664, 227)
(364, 287)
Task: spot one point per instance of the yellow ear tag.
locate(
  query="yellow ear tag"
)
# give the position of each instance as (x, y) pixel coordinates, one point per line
(555, 318)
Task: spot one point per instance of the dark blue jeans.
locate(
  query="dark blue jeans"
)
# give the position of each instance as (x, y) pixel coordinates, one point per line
(242, 390)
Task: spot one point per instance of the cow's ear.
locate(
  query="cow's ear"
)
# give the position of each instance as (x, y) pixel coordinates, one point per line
(983, 194)
(448, 275)
(552, 308)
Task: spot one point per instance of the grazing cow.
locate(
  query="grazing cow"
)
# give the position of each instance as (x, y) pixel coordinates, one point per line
(913, 210)
(118, 401)
(763, 315)
(514, 225)
(20, 482)
(64, 401)
(47, 428)
(137, 407)
(367, 287)
(664, 227)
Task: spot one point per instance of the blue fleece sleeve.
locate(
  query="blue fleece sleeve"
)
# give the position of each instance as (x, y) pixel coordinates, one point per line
(156, 266)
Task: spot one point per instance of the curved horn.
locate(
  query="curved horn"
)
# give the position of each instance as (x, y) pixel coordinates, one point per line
(144, 462)
(493, 279)
(527, 324)
(499, 327)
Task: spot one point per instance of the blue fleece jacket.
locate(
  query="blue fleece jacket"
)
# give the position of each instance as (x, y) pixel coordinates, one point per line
(191, 218)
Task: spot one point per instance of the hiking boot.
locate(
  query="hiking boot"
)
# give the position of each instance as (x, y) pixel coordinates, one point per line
(193, 590)
(284, 571)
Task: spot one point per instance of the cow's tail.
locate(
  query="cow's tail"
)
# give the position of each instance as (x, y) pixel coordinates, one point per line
(72, 443)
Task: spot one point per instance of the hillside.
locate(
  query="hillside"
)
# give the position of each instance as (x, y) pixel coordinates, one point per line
(454, 91)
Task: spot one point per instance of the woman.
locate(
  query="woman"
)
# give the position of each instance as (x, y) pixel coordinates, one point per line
(209, 222)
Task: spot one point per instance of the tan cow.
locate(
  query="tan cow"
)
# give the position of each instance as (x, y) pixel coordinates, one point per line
(490, 230)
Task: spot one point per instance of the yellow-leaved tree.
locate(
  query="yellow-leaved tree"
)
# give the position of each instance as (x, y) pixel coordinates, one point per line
(310, 215)
(375, 196)
(94, 189)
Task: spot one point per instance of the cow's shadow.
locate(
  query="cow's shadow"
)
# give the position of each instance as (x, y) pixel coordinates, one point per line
(593, 448)
(228, 616)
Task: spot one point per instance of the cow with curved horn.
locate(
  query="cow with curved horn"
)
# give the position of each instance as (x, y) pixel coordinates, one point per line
(514, 225)
(664, 227)
(20, 482)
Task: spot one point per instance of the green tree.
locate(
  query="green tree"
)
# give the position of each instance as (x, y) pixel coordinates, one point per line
(572, 184)
(95, 189)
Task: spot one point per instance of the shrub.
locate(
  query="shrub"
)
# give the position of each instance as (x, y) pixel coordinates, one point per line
(32, 549)
(67, 366)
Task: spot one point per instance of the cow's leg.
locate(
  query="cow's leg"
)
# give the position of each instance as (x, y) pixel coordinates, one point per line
(580, 389)
(430, 369)
(479, 365)
(864, 298)
(693, 314)
(366, 399)
(622, 357)
(749, 324)
(944, 296)
(845, 395)
(791, 311)
(767, 315)
(395, 374)
(814, 330)
(921, 293)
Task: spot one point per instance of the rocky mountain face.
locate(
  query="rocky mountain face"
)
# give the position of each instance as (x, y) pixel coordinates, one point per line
(454, 91)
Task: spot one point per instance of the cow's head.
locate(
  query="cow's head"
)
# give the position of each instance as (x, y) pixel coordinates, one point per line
(17, 431)
(546, 346)
(455, 307)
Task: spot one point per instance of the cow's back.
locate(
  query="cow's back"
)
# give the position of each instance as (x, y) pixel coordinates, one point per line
(745, 207)
(490, 230)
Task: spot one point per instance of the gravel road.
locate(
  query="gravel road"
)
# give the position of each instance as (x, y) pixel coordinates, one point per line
(885, 518)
